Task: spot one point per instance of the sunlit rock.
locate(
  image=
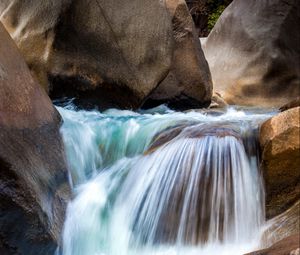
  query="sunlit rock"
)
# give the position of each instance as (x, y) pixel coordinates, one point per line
(280, 145)
(34, 185)
(253, 52)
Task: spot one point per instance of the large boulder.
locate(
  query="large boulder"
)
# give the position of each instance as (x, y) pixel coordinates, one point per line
(34, 185)
(110, 53)
(189, 77)
(253, 52)
(280, 145)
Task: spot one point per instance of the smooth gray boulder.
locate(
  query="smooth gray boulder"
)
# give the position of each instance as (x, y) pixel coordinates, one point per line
(253, 52)
(189, 78)
(110, 53)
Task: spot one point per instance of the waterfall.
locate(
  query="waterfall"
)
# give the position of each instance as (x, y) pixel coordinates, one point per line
(198, 193)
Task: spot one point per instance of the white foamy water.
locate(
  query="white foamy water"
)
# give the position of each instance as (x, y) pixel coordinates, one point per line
(196, 194)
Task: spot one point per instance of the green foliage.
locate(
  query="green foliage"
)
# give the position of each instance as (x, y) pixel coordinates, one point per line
(213, 17)
(205, 13)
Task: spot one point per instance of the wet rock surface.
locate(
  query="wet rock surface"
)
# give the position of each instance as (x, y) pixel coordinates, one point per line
(287, 246)
(282, 226)
(193, 130)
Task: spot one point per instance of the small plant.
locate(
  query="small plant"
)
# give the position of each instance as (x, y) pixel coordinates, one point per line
(205, 13)
(214, 16)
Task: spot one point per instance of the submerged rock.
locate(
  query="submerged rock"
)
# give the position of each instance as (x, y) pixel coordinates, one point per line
(192, 130)
(280, 145)
(111, 53)
(253, 52)
(206, 160)
(166, 136)
(34, 185)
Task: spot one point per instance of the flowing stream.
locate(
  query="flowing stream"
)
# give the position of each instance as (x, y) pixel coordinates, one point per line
(195, 190)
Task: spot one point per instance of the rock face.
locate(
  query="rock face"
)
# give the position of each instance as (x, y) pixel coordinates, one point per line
(280, 145)
(253, 52)
(287, 246)
(294, 103)
(189, 77)
(282, 226)
(33, 175)
(217, 101)
(189, 129)
(110, 53)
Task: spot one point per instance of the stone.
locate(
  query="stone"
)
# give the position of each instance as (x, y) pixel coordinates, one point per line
(166, 136)
(34, 187)
(110, 53)
(284, 225)
(189, 78)
(217, 101)
(294, 103)
(280, 160)
(287, 246)
(206, 167)
(189, 129)
(253, 52)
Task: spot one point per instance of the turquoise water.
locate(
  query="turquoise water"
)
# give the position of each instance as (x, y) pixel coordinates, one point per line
(196, 194)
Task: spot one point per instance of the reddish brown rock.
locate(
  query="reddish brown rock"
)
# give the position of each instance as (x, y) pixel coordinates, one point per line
(34, 185)
(280, 145)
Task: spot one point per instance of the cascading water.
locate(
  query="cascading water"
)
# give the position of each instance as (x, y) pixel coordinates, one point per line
(198, 193)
